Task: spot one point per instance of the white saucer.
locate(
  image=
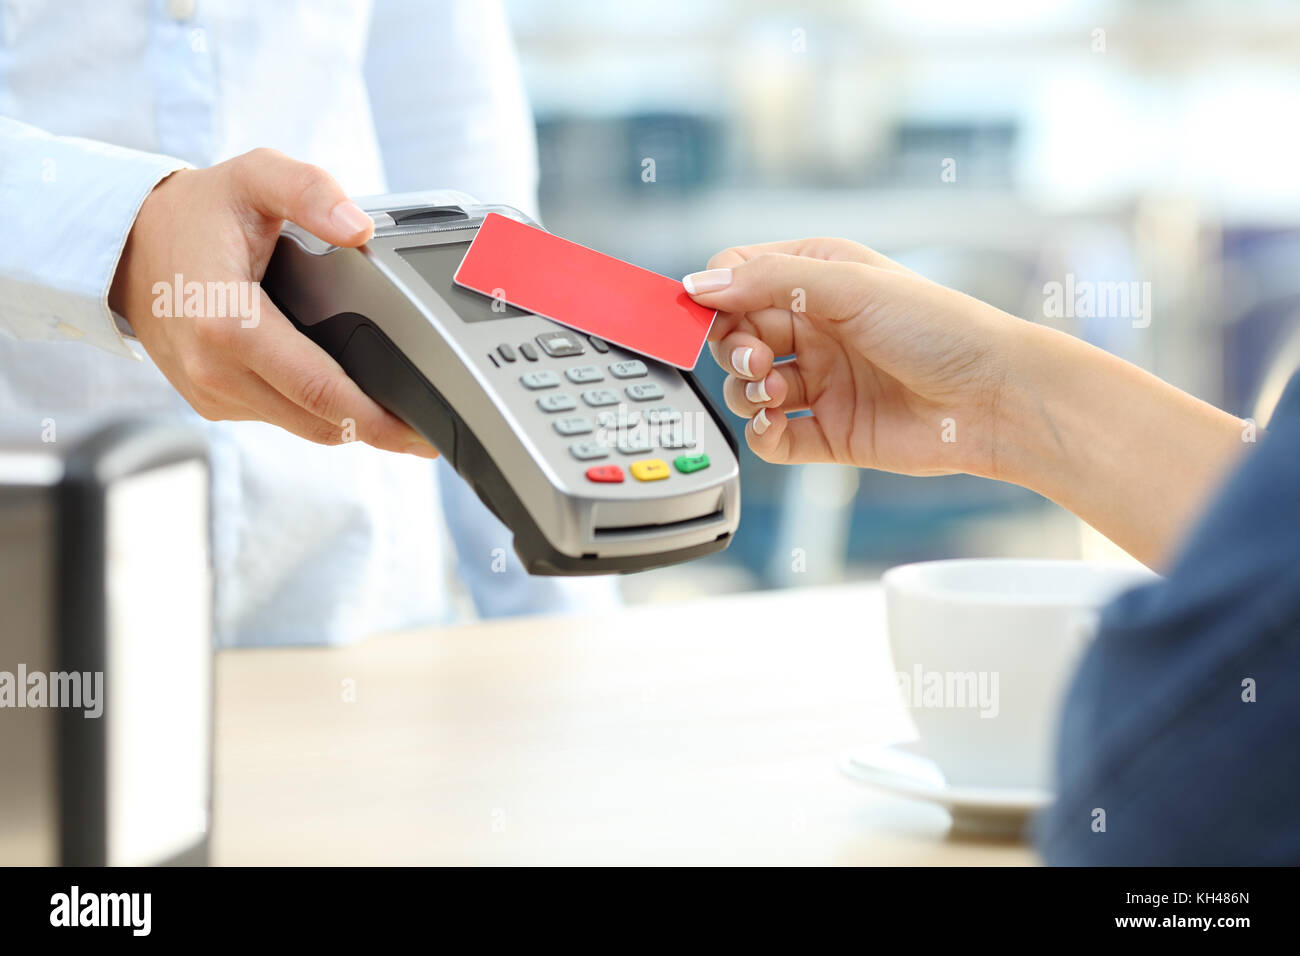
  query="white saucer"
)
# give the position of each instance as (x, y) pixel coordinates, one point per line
(986, 811)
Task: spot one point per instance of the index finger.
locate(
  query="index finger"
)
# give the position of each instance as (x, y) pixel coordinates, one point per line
(820, 247)
(308, 376)
(831, 289)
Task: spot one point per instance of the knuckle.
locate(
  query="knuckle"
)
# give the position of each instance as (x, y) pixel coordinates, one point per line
(840, 244)
(730, 254)
(326, 434)
(215, 333)
(261, 155)
(310, 179)
(206, 406)
(317, 393)
(767, 267)
(861, 271)
(204, 376)
(861, 285)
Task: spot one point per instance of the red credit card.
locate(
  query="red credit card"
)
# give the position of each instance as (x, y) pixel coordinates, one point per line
(586, 290)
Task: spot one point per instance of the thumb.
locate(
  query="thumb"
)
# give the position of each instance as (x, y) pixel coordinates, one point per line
(276, 186)
(822, 288)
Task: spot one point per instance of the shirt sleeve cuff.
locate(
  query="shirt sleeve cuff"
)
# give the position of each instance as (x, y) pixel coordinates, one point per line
(68, 207)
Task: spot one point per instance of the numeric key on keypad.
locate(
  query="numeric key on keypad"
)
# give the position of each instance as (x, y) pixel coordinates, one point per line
(645, 391)
(662, 414)
(597, 397)
(557, 403)
(627, 419)
(632, 368)
(634, 444)
(573, 425)
(582, 374)
(588, 450)
(672, 438)
(541, 379)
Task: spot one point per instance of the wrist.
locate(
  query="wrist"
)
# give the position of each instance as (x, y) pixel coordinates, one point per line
(129, 291)
(1038, 365)
(1130, 454)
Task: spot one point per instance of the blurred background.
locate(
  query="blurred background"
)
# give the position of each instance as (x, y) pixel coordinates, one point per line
(994, 147)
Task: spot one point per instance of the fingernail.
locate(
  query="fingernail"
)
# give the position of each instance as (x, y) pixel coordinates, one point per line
(422, 448)
(761, 422)
(711, 280)
(740, 361)
(756, 392)
(348, 217)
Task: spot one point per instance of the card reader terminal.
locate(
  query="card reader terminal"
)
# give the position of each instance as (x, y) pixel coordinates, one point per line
(598, 460)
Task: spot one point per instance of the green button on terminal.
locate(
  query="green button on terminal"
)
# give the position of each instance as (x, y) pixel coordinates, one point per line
(689, 463)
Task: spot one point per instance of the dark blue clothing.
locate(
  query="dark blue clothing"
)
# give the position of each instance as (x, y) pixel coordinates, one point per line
(1155, 730)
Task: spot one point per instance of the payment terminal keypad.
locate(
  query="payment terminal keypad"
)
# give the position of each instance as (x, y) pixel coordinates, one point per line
(620, 421)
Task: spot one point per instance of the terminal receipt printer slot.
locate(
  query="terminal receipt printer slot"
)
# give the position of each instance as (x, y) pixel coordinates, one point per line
(597, 459)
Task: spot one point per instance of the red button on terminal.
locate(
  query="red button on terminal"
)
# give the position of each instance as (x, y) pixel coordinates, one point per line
(610, 473)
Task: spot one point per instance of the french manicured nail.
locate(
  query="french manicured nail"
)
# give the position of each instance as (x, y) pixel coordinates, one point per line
(760, 422)
(348, 217)
(740, 361)
(711, 280)
(756, 392)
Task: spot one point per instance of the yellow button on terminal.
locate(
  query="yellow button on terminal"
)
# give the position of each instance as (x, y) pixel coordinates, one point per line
(651, 469)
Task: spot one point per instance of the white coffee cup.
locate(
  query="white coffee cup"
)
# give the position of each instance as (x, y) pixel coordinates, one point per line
(983, 651)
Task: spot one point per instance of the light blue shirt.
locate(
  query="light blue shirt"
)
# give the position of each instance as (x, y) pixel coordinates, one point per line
(98, 103)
